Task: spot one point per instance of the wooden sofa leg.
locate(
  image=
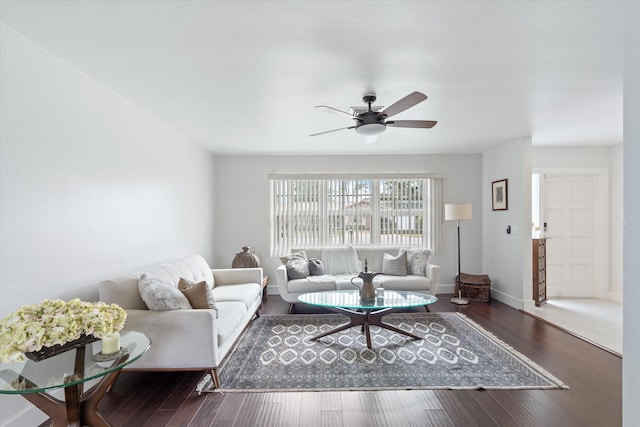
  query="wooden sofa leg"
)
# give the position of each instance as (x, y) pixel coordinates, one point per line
(427, 308)
(214, 377)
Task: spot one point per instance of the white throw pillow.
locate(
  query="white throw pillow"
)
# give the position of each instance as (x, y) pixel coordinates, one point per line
(396, 266)
(161, 296)
(417, 259)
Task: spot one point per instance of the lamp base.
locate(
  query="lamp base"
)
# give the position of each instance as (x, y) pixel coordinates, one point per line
(459, 300)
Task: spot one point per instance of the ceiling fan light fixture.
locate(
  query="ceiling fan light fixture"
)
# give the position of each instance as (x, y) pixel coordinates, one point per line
(371, 129)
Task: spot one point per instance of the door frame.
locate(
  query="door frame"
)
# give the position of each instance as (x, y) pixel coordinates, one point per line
(602, 209)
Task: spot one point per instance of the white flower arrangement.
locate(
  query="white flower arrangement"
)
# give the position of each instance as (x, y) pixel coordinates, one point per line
(54, 322)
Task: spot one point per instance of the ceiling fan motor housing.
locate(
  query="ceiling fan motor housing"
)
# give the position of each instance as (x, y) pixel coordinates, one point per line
(370, 123)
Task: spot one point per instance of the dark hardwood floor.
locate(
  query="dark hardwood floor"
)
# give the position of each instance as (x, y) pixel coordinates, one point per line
(593, 375)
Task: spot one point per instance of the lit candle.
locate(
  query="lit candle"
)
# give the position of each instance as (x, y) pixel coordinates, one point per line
(111, 343)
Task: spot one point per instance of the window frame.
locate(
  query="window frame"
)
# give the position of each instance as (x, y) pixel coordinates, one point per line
(430, 213)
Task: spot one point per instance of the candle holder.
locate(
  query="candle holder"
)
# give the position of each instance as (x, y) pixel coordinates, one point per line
(104, 360)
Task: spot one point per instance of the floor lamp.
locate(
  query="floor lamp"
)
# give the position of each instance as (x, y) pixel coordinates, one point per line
(457, 212)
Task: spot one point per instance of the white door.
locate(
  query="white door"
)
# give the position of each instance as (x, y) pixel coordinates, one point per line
(569, 211)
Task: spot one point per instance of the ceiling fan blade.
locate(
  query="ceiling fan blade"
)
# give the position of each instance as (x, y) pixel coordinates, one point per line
(403, 104)
(334, 111)
(411, 123)
(333, 130)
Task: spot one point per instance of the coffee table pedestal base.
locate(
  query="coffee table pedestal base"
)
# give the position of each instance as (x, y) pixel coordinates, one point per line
(365, 319)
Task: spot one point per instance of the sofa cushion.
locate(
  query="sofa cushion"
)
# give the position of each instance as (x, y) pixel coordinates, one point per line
(193, 267)
(229, 320)
(245, 293)
(123, 291)
(340, 260)
(306, 285)
(395, 265)
(403, 283)
(199, 294)
(160, 295)
(417, 259)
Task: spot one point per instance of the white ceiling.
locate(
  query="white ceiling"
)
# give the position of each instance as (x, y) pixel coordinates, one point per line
(243, 77)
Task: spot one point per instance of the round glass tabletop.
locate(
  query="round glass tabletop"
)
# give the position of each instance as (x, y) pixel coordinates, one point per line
(351, 299)
(61, 370)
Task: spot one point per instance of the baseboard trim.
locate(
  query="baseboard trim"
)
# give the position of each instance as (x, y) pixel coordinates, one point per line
(516, 303)
(446, 289)
(495, 294)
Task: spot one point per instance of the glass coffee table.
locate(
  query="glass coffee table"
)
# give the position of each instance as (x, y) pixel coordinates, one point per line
(366, 313)
(71, 370)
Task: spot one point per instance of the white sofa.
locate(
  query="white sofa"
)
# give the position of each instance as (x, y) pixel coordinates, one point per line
(193, 339)
(290, 289)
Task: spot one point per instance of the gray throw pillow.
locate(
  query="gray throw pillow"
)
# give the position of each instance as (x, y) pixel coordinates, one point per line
(316, 267)
(417, 259)
(395, 266)
(161, 296)
(297, 268)
(299, 254)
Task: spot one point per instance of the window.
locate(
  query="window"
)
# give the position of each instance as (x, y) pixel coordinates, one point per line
(335, 211)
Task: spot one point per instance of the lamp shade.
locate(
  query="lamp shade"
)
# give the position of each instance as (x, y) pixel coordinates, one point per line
(457, 211)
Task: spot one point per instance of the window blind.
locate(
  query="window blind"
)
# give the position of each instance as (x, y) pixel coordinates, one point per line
(358, 211)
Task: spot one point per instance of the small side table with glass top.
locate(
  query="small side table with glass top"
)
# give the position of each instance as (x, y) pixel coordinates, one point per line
(71, 370)
(366, 313)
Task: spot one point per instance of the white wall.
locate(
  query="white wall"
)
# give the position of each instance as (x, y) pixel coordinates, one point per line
(571, 157)
(617, 215)
(631, 245)
(242, 199)
(507, 257)
(91, 186)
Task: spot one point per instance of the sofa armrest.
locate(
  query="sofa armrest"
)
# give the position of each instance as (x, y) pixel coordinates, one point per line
(433, 273)
(234, 276)
(282, 279)
(179, 338)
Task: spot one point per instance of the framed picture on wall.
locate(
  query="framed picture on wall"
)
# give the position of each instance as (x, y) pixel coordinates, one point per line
(499, 195)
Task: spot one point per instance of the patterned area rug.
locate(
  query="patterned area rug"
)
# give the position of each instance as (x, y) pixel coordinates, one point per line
(277, 354)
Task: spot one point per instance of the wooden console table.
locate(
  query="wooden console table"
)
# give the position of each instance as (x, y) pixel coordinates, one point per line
(539, 271)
